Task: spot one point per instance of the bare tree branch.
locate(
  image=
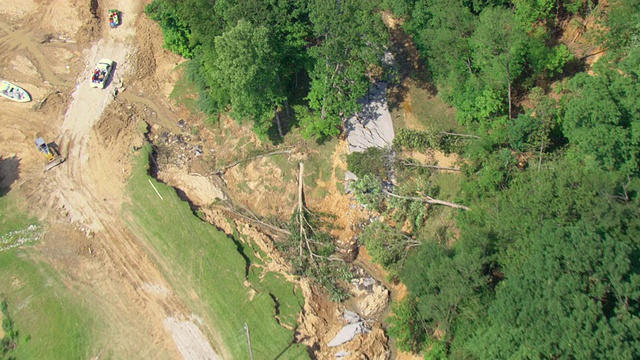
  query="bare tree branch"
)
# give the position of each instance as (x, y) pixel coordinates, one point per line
(428, 199)
(301, 218)
(254, 220)
(460, 135)
(411, 163)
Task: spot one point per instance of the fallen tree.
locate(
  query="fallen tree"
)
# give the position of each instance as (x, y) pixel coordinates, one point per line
(427, 199)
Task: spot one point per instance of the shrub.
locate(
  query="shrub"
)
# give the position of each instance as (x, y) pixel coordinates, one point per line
(374, 162)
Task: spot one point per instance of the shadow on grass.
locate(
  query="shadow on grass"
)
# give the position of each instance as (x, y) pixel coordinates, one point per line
(409, 66)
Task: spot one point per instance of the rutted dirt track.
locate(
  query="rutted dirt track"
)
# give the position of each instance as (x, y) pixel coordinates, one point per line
(82, 198)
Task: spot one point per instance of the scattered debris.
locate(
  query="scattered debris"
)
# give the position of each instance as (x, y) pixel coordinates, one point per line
(20, 237)
(355, 325)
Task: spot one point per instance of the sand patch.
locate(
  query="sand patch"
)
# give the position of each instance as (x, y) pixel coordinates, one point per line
(16, 9)
(24, 66)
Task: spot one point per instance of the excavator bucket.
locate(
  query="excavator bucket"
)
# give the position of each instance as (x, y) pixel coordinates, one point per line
(53, 157)
(53, 163)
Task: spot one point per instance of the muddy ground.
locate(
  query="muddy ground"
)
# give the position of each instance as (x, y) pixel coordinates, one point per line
(49, 47)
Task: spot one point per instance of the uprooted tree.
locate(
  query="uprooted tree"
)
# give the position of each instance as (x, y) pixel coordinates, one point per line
(310, 248)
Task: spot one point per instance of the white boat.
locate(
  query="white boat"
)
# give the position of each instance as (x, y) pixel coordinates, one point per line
(14, 92)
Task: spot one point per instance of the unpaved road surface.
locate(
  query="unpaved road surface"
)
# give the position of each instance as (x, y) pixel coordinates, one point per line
(82, 197)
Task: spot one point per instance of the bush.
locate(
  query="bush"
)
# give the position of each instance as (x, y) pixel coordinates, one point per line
(374, 162)
(404, 326)
(368, 192)
(416, 140)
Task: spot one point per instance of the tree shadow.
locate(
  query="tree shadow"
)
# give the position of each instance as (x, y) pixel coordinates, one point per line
(287, 122)
(408, 66)
(9, 173)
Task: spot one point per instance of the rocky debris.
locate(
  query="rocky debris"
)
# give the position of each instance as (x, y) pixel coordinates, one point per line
(370, 297)
(348, 248)
(374, 303)
(20, 237)
(355, 325)
(372, 126)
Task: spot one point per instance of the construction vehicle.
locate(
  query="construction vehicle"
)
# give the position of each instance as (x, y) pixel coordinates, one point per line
(50, 153)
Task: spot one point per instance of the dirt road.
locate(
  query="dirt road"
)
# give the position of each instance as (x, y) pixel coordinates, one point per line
(86, 192)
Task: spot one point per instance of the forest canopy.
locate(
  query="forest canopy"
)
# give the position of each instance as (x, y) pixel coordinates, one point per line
(255, 58)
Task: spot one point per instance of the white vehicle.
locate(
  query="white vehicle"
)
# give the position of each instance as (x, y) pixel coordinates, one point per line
(101, 73)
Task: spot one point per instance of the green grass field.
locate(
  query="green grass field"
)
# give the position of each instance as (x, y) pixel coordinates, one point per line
(51, 323)
(184, 90)
(429, 112)
(207, 269)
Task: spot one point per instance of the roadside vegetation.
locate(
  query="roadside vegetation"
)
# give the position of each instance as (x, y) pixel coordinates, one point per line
(218, 276)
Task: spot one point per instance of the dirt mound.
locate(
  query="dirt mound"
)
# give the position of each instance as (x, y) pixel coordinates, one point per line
(90, 21)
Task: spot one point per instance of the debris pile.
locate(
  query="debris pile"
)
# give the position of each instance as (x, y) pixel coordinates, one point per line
(355, 325)
(373, 298)
(20, 237)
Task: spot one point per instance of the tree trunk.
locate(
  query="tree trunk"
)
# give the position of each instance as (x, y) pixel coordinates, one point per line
(286, 109)
(278, 123)
(540, 158)
(509, 86)
(469, 63)
(428, 199)
(300, 206)
(409, 163)
(222, 170)
(461, 135)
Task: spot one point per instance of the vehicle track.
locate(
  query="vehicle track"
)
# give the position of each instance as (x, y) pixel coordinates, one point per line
(85, 181)
(24, 39)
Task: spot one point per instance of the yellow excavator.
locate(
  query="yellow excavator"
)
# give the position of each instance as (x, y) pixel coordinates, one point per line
(53, 156)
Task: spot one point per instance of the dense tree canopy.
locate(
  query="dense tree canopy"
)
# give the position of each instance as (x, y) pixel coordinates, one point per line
(323, 49)
(545, 265)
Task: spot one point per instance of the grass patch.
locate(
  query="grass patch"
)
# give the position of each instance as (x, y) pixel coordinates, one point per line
(184, 91)
(321, 192)
(432, 110)
(289, 169)
(12, 217)
(244, 187)
(288, 295)
(205, 268)
(51, 324)
(48, 322)
(319, 166)
(421, 110)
